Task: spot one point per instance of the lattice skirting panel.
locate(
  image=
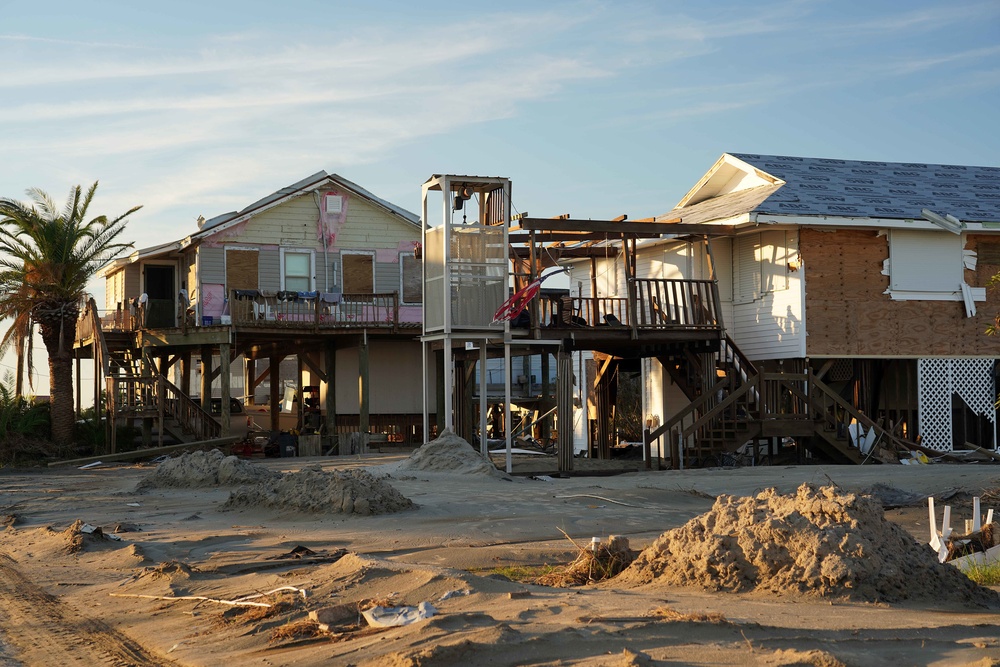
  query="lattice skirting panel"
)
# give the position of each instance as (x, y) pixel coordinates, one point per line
(937, 380)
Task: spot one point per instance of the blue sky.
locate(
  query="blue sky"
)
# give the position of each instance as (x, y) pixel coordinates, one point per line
(596, 109)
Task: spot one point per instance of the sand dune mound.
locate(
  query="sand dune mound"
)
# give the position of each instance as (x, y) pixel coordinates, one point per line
(313, 490)
(205, 469)
(449, 453)
(817, 541)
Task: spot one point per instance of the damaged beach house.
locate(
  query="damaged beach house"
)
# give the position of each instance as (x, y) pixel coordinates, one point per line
(321, 272)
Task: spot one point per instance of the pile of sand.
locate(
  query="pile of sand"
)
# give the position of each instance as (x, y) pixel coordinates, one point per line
(313, 490)
(817, 541)
(449, 453)
(205, 469)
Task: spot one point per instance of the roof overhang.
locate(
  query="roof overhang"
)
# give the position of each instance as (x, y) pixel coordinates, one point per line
(139, 255)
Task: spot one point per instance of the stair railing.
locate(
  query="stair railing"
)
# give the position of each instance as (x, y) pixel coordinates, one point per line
(177, 405)
(825, 401)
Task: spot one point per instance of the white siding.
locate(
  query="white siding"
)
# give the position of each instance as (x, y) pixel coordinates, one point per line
(769, 325)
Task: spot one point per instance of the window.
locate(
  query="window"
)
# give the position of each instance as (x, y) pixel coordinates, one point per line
(358, 272)
(607, 277)
(925, 265)
(296, 270)
(760, 265)
(410, 278)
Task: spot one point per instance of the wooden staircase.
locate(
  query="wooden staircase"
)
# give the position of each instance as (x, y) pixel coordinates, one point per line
(732, 402)
(135, 391)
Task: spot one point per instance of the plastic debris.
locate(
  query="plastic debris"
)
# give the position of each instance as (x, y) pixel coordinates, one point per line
(388, 617)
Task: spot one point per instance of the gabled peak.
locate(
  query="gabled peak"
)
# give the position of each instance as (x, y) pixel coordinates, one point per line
(728, 174)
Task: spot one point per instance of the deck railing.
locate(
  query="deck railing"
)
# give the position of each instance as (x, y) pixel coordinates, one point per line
(314, 310)
(659, 304)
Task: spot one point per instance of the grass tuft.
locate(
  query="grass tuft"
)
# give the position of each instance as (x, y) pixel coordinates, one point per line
(987, 574)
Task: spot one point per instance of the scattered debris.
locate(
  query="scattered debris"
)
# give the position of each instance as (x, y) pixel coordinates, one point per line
(298, 552)
(95, 464)
(979, 544)
(595, 562)
(668, 614)
(390, 617)
(246, 601)
(454, 594)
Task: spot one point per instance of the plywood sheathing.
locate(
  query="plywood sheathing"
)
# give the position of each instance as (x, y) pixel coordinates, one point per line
(848, 313)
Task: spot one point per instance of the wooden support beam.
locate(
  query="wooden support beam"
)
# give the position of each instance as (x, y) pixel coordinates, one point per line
(618, 229)
(313, 366)
(149, 453)
(249, 373)
(225, 390)
(299, 412)
(186, 372)
(330, 357)
(206, 378)
(364, 388)
(273, 369)
(564, 409)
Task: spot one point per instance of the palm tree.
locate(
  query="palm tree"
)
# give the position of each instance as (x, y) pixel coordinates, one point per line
(47, 256)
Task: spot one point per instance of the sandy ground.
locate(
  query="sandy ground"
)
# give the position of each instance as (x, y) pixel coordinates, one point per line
(76, 599)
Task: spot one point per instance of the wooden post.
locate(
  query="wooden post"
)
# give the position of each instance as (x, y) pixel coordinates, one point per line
(225, 390)
(363, 386)
(564, 408)
(330, 357)
(98, 368)
(79, 398)
(186, 372)
(299, 367)
(647, 451)
(273, 366)
(206, 378)
(161, 408)
(249, 375)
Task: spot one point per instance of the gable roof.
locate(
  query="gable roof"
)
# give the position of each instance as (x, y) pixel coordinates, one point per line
(846, 188)
(308, 184)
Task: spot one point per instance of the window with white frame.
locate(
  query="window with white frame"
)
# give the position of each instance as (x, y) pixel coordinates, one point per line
(925, 265)
(410, 277)
(357, 272)
(760, 265)
(296, 270)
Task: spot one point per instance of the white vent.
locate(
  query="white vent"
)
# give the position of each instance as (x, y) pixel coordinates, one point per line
(334, 204)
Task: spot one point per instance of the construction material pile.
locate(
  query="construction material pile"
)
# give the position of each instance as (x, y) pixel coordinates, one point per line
(815, 542)
(449, 453)
(316, 491)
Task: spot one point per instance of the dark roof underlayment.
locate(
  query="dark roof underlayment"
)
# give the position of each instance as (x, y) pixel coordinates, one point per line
(864, 189)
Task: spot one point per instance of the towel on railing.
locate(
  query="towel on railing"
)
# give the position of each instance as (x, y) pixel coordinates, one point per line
(330, 297)
(287, 295)
(307, 295)
(242, 294)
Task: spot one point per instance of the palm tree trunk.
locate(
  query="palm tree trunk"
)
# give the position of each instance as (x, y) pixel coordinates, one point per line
(19, 376)
(58, 332)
